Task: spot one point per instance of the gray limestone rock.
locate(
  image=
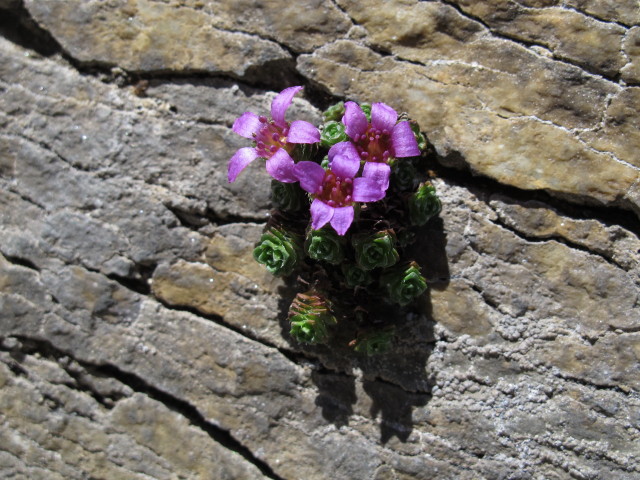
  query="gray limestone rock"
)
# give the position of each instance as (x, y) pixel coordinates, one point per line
(139, 338)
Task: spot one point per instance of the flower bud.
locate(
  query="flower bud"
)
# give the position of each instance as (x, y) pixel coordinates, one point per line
(355, 276)
(403, 283)
(287, 196)
(334, 112)
(325, 245)
(424, 204)
(278, 251)
(377, 250)
(333, 132)
(374, 342)
(310, 318)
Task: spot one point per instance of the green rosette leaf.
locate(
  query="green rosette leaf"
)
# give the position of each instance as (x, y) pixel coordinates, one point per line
(377, 250)
(287, 196)
(324, 245)
(403, 175)
(310, 318)
(420, 138)
(333, 132)
(366, 108)
(424, 204)
(277, 251)
(334, 112)
(354, 276)
(403, 284)
(375, 342)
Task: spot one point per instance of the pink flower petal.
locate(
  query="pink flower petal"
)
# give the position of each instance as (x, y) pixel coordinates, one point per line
(344, 166)
(342, 219)
(367, 190)
(281, 103)
(404, 141)
(280, 166)
(321, 213)
(355, 121)
(310, 175)
(239, 161)
(378, 172)
(302, 132)
(383, 117)
(247, 125)
(343, 148)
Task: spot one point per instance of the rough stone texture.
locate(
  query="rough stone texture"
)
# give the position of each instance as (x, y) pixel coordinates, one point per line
(139, 339)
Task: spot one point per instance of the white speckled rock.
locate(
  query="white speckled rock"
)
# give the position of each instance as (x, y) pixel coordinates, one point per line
(139, 339)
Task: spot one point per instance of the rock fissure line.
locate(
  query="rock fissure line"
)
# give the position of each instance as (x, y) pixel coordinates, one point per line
(11, 188)
(30, 347)
(295, 357)
(564, 6)
(21, 261)
(528, 44)
(483, 187)
(173, 403)
(574, 132)
(597, 18)
(588, 451)
(627, 392)
(575, 246)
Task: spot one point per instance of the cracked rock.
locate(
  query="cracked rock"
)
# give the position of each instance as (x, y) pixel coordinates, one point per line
(139, 338)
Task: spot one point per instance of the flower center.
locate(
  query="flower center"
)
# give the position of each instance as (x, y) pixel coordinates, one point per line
(270, 138)
(336, 191)
(374, 145)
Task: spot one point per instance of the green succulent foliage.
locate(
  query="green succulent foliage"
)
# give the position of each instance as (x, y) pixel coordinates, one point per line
(324, 163)
(406, 237)
(310, 318)
(404, 175)
(287, 196)
(404, 283)
(420, 138)
(277, 251)
(354, 276)
(334, 112)
(377, 250)
(305, 151)
(424, 204)
(324, 245)
(333, 132)
(366, 108)
(375, 342)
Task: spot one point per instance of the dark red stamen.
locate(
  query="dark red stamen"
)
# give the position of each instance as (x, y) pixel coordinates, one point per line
(270, 138)
(374, 145)
(336, 191)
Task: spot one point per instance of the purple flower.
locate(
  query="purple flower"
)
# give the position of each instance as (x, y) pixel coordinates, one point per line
(382, 138)
(274, 139)
(336, 189)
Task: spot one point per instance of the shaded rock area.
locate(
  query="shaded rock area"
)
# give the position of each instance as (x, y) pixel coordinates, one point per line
(139, 338)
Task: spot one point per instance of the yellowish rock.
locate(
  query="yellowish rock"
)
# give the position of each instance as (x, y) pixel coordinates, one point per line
(568, 34)
(238, 299)
(631, 71)
(148, 36)
(497, 132)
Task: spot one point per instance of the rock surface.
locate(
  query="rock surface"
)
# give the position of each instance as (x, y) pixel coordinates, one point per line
(139, 339)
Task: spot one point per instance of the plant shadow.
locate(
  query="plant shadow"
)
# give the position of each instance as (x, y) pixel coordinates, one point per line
(387, 386)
